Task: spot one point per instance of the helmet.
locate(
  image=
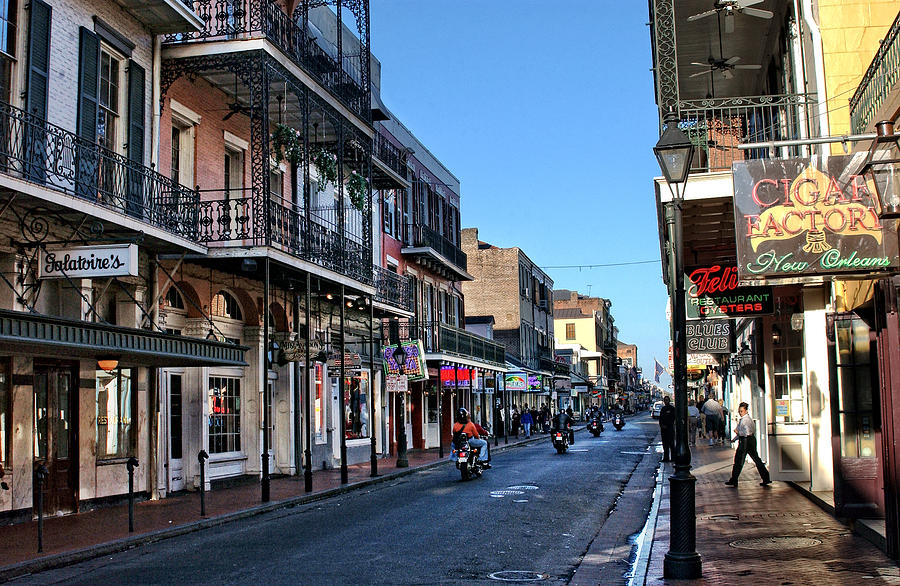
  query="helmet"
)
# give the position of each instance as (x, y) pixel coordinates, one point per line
(462, 414)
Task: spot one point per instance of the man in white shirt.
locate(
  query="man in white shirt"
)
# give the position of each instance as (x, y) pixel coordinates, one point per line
(745, 435)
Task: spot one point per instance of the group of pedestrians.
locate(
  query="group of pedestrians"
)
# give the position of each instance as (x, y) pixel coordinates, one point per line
(530, 419)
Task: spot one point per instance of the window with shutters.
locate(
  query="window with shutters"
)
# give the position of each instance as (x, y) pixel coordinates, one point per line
(112, 87)
(7, 46)
(570, 331)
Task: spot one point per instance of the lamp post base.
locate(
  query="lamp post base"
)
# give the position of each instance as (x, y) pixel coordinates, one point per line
(682, 560)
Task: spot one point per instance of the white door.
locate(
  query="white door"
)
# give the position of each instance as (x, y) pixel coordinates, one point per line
(176, 433)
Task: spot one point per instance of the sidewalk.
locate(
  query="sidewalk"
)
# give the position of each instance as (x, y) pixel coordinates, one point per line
(763, 535)
(73, 538)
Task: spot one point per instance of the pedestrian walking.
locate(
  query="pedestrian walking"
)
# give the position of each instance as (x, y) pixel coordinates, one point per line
(745, 435)
(515, 418)
(667, 429)
(713, 411)
(526, 421)
(693, 417)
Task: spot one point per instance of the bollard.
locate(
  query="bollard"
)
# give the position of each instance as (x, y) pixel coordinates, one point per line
(202, 457)
(41, 473)
(131, 464)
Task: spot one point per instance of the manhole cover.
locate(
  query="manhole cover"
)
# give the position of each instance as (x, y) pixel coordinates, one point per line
(726, 517)
(502, 493)
(773, 543)
(523, 487)
(518, 576)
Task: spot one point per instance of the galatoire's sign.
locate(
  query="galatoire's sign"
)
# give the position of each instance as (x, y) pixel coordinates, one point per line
(803, 217)
(714, 292)
(86, 262)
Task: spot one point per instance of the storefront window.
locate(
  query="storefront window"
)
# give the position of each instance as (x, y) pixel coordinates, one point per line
(787, 354)
(115, 408)
(432, 405)
(855, 380)
(224, 414)
(319, 404)
(356, 406)
(5, 413)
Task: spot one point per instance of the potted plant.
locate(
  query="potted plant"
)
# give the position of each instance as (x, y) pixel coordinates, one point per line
(326, 167)
(357, 188)
(287, 144)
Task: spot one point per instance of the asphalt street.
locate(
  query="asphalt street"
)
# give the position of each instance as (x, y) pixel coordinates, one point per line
(535, 513)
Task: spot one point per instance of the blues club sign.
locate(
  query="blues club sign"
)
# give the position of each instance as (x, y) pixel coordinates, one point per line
(812, 216)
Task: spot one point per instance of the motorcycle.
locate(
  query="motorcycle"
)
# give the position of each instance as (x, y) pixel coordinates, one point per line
(467, 461)
(619, 421)
(560, 440)
(595, 426)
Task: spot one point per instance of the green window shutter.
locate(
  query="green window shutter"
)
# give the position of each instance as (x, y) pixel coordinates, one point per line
(87, 153)
(38, 58)
(136, 202)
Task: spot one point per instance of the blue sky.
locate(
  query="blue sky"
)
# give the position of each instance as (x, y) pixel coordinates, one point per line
(545, 113)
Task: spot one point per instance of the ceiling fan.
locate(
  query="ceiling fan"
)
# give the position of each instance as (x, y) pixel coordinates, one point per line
(729, 8)
(726, 66)
(236, 107)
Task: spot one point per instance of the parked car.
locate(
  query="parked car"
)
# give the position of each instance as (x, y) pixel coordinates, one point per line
(654, 411)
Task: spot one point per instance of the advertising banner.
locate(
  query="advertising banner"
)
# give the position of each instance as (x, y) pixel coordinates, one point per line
(714, 292)
(415, 368)
(515, 381)
(807, 217)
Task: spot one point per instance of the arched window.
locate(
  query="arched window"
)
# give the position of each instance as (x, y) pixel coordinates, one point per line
(174, 299)
(225, 305)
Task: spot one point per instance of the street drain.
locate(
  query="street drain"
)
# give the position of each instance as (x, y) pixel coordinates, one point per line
(775, 543)
(518, 576)
(523, 487)
(502, 493)
(725, 517)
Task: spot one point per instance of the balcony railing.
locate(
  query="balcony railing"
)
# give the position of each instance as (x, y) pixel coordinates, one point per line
(441, 337)
(428, 237)
(393, 289)
(717, 126)
(35, 150)
(390, 155)
(878, 82)
(229, 218)
(247, 19)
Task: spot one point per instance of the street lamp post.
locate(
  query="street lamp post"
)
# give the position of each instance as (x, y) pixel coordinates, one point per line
(400, 359)
(674, 152)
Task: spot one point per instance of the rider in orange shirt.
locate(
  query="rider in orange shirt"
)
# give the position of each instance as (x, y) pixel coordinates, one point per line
(464, 425)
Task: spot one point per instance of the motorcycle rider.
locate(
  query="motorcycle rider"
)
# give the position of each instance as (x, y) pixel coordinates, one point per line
(464, 425)
(563, 421)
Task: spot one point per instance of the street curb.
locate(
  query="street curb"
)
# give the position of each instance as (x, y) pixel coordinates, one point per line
(642, 563)
(57, 560)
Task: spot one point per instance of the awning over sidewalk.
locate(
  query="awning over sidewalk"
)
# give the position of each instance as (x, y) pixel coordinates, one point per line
(42, 335)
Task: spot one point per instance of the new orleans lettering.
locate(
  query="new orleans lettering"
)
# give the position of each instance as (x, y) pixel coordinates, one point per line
(769, 262)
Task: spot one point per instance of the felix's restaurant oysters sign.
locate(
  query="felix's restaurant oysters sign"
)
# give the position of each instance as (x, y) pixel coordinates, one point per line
(803, 217)
(116, 260)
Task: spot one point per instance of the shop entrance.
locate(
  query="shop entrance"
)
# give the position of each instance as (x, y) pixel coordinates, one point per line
(55, 438)
(176, 433)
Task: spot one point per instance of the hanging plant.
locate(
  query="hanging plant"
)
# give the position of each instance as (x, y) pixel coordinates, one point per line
(357, 188)
(287, 145)
(326, 167)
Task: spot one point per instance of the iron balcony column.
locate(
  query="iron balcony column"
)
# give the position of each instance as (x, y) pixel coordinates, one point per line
(307, 472)
(373, 457)
(341, 389)
(265, 386)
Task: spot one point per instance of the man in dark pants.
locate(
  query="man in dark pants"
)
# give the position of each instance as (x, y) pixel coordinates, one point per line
(667, 429)
(746, 436)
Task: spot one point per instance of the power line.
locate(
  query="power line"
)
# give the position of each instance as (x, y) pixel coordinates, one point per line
(612, 264)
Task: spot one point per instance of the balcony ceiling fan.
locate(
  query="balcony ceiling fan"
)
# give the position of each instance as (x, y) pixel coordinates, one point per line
(729, 8)
(726, 66)
(236, 107)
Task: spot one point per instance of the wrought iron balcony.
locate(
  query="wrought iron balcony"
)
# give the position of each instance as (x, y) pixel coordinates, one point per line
(393, 289)
(39, 152)
(392, 158)
(236, 217)
(224, 20)
(437, 252)
(878, 82)
(444, 338)
(717, 126)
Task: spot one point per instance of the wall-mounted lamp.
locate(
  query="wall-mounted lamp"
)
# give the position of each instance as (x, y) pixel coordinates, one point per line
(776, 335)
(881, 168)
(797, 322)
(107, 363)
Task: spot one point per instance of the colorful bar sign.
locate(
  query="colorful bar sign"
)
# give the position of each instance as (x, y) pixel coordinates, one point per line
(415, 368)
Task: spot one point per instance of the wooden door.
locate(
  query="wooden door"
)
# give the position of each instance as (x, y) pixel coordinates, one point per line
(55, 437)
